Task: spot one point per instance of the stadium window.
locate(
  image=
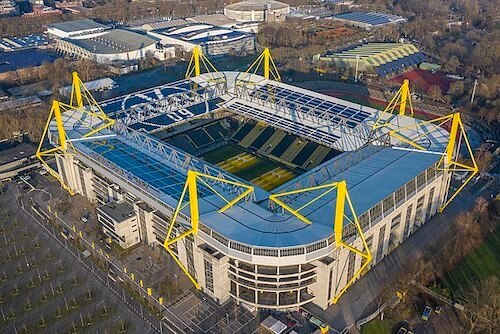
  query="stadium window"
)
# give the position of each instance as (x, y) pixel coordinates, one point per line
(316, 246)
(348, 231)
(209, 276)
(265, 252)
(205, 229)
(421, 180)
(399, 195)
(220, 238)
(388, 204)
(241, 248)
(364, 220)
(411, 189)
(431, 173)
(375, 213)
(292, 251)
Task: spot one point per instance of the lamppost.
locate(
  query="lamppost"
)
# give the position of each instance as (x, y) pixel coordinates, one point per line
(356, 74)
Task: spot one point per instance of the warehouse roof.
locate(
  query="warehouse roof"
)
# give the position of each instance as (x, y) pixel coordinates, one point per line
(72, 26)
(370, 18)
(115, 41)
(257, 5)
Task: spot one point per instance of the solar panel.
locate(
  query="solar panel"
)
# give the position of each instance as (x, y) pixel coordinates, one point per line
(306, 102)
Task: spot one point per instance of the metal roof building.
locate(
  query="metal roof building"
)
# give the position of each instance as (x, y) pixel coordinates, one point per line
(369, 20)
(257, 10)
(76, 29)
(304, 241)
(116, 44)
(212, 39)
(381, 58)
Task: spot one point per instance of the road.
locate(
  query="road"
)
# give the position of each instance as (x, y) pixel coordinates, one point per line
(361, 298)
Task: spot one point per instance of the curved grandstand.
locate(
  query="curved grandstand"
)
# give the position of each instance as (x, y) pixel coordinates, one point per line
(268, 193)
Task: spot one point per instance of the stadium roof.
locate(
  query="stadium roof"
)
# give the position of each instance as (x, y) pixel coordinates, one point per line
(369, 181)
(72, 26)
(156, 171)
(115, 41)
(384, 58)
(250, 5)
(371, 19)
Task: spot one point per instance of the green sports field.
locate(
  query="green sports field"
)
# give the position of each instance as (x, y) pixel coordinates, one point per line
(262, 172)
(480, 264)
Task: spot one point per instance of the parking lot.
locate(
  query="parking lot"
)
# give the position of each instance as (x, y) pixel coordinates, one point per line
(44, 290)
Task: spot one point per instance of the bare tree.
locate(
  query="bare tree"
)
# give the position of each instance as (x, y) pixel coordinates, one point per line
(482, 307)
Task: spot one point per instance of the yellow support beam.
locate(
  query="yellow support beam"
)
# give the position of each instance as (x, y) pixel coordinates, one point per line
(269, 69)
(76, 91)
(402, 98)
(448, 161)
(84, 102)
(198, 63)
(338, 223)
(191, 189)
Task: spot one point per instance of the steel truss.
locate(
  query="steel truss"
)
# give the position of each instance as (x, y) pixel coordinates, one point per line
(173, 157)
(301, 112)
(81, 100)
(449, 158)
(172, 103)
(191, 189)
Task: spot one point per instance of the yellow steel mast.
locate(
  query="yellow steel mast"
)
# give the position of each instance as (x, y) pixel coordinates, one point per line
(402, 98)
(79, 97)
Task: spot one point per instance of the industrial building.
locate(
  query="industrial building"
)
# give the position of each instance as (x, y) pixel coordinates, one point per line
(213, 40)
(380, 58)
(368, 20)
(263, 192)
(79, 29)
(112, 45)
(8, 8)
(257, 10)
(217, 20)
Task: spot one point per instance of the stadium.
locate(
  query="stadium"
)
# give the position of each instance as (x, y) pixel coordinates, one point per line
(263, 192)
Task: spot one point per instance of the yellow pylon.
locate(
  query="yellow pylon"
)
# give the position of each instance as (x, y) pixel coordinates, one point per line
(198, 60)
(191, 188)
(340, 207)
(402, 98)
(269, 69)
(448, 161)
(80, 97)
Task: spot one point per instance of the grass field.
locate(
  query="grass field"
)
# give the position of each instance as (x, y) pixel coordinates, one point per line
(377, 326)
(264, 173)
(480, 264)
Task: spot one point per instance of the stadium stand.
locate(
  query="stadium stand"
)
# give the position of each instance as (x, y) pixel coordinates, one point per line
(305, 153)
(262, 138)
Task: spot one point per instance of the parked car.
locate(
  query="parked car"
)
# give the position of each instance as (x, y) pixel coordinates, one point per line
(426, 313)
